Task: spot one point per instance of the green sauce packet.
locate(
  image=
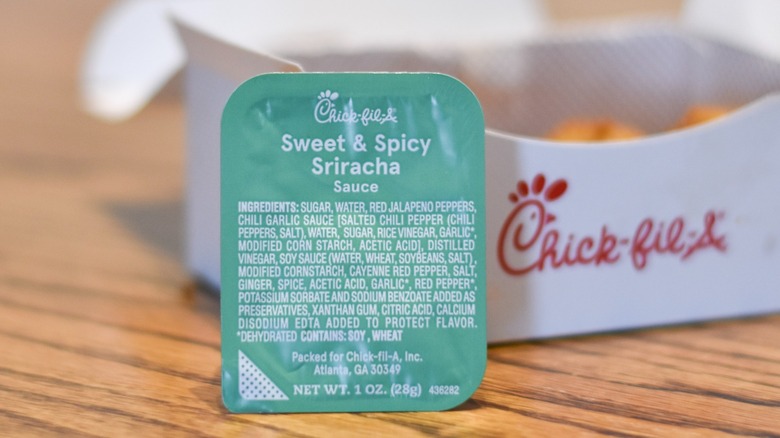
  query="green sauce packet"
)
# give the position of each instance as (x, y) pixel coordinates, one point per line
(353, 243)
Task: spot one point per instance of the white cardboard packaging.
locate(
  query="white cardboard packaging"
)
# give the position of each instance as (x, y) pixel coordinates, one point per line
(678, 226)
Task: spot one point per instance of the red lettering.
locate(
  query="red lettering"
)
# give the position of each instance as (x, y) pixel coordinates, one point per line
(585, 244)
(708, 238)
(528, 241)
(673, 235)
(607, 246)
(549, 243)
(524, 225)
(640, 248)
(531, 244)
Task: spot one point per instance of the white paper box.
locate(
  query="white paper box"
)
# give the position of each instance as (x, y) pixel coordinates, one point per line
(710, 192)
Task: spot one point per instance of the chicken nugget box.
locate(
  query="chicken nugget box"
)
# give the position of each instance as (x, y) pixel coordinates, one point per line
(673, 225)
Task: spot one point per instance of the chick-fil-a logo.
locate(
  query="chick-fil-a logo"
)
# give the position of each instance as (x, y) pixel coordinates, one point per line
(326, 111)
(530, 241)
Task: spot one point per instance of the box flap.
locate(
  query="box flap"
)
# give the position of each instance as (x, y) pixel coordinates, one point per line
(751, 24)
(134, 50)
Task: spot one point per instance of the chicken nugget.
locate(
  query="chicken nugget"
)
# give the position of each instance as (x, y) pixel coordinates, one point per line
(601, 129)
(698, 114)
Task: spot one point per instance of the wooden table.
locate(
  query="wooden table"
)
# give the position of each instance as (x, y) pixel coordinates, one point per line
(102, 332)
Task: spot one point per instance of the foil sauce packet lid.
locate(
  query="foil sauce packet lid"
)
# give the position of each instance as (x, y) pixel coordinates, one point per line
(353, 243)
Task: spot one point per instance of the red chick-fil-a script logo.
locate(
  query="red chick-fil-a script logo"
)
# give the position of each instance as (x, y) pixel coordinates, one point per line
(530, 241)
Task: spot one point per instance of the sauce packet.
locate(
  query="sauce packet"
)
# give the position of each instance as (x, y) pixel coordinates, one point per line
(353, 243)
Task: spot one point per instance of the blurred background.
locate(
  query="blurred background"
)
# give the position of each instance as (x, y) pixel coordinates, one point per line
(571, 10)
(45, 135)
(106, 335)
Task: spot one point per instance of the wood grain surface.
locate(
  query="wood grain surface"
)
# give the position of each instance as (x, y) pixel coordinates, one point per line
(102, 332)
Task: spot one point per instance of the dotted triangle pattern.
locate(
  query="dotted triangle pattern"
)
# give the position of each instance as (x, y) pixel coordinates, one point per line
(253, 384)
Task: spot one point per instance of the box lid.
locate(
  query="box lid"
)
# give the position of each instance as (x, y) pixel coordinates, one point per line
(134, 50)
